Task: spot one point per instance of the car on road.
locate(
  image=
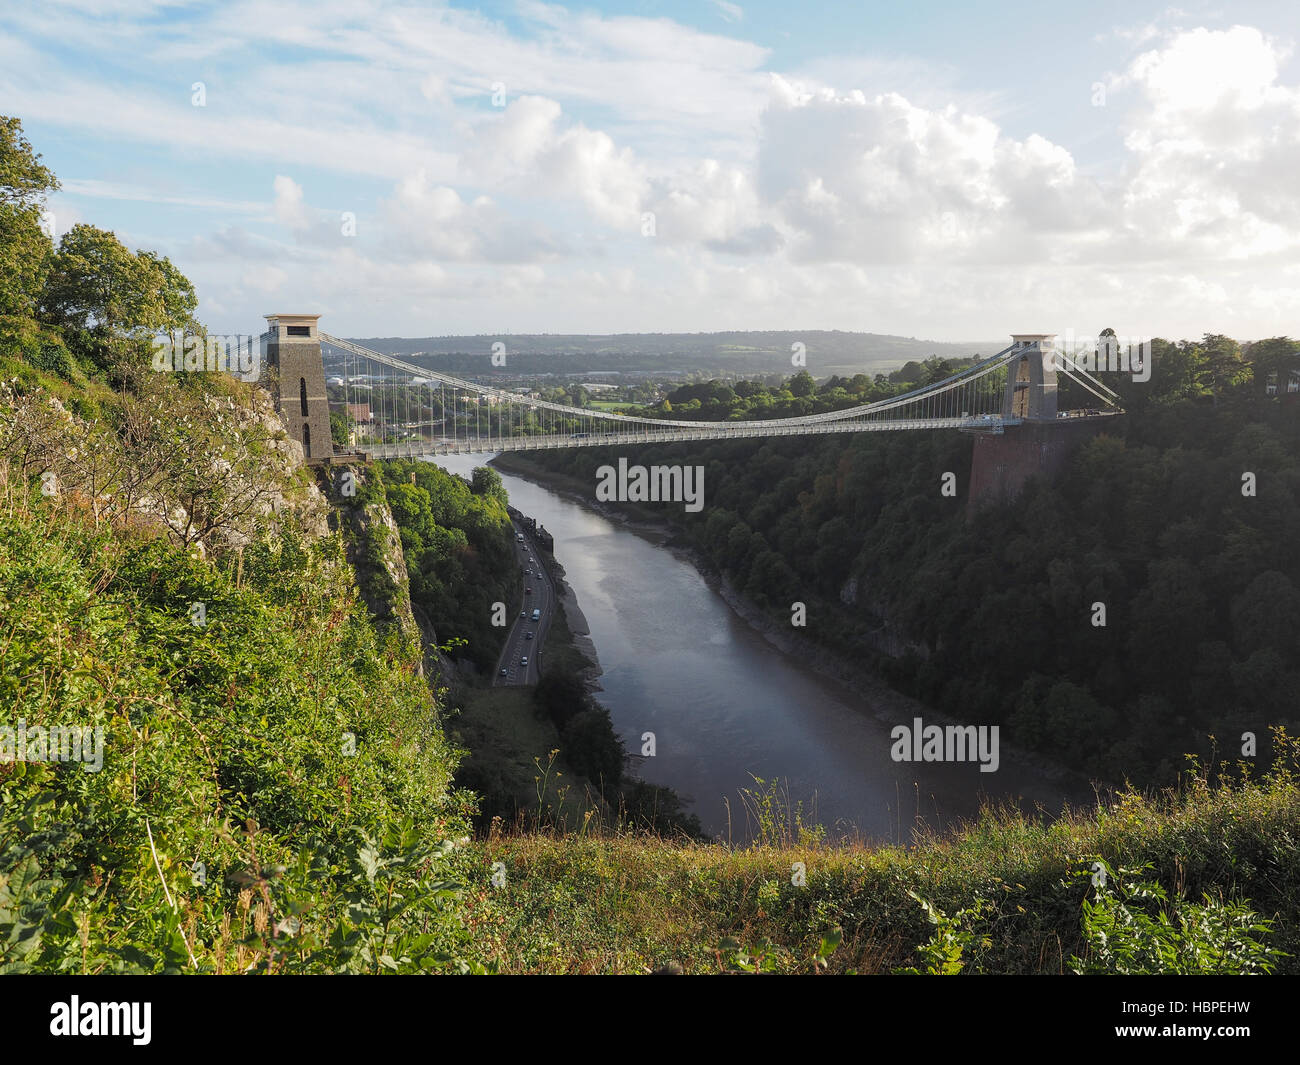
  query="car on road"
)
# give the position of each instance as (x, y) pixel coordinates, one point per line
(523, 613)
(528, 591)
(528, 636)
(537, 615)
(524, 661)
(504, 671)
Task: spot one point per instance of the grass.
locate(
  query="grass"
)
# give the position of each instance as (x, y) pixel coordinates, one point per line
(629, 903)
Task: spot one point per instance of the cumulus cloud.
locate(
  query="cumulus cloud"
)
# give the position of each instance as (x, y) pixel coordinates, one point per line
(714, 205)
(1215, 142)
(530, 149)
(426, 220)
(881, 179)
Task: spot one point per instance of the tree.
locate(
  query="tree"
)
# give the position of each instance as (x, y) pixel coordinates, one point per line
(24, 180)
(936, 369)
(1273, 355)
(560, 696)
(97, 285)
(25, 249)
(94, 282)
(592, 748)
(339, 428)
(487, 482)
(1175, 370)
(1267, 615)
(1223, 368)
(802, 384)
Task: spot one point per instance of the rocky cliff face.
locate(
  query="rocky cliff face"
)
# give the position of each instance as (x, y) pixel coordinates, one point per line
(293, 495)
(212, 470)
(884, 637)
(374, 545)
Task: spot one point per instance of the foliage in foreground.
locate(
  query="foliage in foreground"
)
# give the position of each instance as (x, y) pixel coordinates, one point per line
(1217, 890)
(274, 789)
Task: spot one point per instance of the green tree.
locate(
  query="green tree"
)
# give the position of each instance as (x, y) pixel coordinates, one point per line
(1222, 368)
(25, 249)
(487, 482)
(560, 696)
(910, 371)
(591, 747)
(112, 298)
(1272, 356)
(935, 370)
(802, 384)
(339, 428)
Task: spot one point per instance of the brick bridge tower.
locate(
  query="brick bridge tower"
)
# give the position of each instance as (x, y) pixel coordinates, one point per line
(293, 348)
(1043, 442)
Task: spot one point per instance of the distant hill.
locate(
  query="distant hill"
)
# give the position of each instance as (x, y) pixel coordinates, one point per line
(746, 352)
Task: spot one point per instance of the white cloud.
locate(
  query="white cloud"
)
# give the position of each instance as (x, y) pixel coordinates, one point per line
(288, 205)
(529, 149)
(1215, 143)
(111, 190)
(263, 278)
(880, 179)
(729, 11)
(423, 220)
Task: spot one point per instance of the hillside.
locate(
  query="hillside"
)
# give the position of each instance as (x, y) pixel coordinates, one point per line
(741, 353)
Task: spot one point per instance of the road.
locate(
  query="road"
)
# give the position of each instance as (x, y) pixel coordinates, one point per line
(542, 597)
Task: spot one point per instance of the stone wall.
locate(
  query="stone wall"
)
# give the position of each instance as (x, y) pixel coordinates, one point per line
(1002, 462)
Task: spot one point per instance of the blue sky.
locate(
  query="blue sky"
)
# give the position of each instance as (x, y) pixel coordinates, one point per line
(931, 169)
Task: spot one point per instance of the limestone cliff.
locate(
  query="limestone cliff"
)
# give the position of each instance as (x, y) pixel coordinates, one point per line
(374, 545)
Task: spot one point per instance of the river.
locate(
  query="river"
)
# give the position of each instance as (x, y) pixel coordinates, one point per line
(725, 706)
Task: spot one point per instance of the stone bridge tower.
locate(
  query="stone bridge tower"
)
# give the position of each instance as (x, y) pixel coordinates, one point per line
(1031, 379)
(293, 349)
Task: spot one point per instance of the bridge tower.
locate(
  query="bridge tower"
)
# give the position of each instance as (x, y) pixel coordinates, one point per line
(293, 348)
(1031, 379)
(1042, 443)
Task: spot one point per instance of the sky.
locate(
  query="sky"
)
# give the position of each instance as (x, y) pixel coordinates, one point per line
(941, 170)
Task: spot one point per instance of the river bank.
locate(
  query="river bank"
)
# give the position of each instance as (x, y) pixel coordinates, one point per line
(575, 622)
(863, 688)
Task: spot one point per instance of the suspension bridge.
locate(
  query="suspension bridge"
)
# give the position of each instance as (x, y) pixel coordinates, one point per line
(398, 409)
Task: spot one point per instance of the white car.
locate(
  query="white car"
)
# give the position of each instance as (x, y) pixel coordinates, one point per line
(524, 661)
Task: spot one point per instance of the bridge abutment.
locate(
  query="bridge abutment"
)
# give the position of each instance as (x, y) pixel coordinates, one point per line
(1001, 463)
